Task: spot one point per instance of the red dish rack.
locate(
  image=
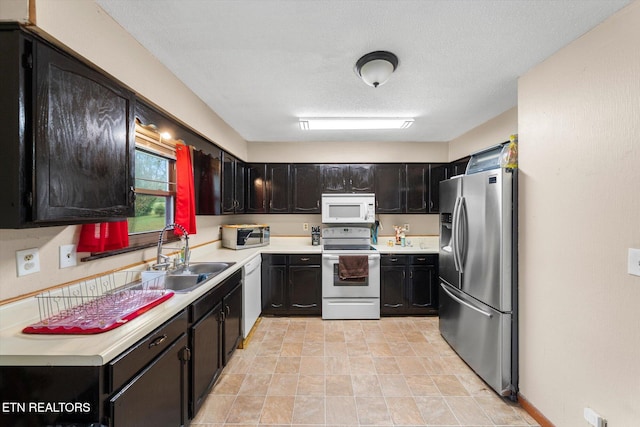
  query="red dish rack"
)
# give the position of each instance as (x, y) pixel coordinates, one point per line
(97, 305)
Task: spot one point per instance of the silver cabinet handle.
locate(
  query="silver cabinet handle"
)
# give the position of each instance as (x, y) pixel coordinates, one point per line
(276, 305)
(484, 313)
(158, 341)
(305, 259)
(304, 305)
(393, 305)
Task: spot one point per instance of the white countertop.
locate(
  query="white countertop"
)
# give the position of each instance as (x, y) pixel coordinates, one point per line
(18, 349)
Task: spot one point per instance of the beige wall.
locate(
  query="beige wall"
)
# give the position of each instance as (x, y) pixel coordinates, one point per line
(492, 132)
(84, 27)
(579, 133)
(14, 10)
(355, 152)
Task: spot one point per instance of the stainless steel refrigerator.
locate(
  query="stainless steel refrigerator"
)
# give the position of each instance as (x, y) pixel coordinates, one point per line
(478, 270)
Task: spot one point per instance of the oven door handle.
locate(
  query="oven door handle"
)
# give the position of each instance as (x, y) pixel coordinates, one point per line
(335, 257)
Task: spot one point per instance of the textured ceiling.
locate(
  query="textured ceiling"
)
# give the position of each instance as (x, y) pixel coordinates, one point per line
(260, 64)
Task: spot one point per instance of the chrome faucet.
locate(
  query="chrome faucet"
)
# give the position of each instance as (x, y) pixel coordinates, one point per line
(163, 260)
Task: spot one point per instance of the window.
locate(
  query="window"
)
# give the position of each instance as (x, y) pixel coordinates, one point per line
(155, 186)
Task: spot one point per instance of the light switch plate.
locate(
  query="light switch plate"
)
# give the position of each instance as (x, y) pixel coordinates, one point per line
(27, 261)
(68, 256)
(634, 261)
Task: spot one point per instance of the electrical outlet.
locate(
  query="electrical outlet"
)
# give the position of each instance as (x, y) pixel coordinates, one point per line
(67, 256)
(634, 261)
(305, 226)
(27, 261)
(406, 227)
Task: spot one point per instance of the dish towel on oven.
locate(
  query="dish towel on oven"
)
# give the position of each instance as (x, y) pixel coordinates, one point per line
(353, 267)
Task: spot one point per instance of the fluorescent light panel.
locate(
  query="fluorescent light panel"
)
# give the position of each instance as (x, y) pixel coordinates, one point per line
(366, 123)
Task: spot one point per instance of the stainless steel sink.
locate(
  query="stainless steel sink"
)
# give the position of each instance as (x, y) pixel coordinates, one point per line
(182, 280)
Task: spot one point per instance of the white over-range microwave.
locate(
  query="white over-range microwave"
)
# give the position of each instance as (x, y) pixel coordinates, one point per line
(348, 208)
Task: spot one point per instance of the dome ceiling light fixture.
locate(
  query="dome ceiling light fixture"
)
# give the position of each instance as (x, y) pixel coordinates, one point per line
(375, 68)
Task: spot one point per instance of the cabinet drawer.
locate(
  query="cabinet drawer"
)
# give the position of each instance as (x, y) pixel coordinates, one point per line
(126, 365)
(203, 305)
(424, 259)
(305, 259)
(269, 259)
(390, 260)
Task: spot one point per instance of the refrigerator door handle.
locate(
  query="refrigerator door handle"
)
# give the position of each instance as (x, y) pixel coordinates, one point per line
(461, 243)
(455, 298)
(454, 233)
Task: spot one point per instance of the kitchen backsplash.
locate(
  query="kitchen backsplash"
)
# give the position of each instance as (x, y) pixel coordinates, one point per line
(49, 239)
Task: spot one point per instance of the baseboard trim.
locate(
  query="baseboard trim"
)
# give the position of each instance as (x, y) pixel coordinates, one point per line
(245, 342)
(534, 412)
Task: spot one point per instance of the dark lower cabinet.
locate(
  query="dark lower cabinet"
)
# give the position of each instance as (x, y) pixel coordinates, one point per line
(205, 344)
(408, 284)
(232, 321)
(158, 395)
(291, 284)
(214, 334)
(305, 284)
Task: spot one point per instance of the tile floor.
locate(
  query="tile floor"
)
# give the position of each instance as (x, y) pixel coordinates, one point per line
(393, 371)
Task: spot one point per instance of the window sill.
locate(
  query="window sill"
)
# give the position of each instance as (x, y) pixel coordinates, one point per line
(100, 255)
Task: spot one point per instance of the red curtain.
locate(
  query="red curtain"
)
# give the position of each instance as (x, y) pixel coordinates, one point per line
(185, 193)
(104, 236)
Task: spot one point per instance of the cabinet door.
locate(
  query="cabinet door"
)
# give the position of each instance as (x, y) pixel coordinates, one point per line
(232, 326)
(389, 185)
(240, 185)
(84, 149)
(256, 188)
(278, 188)
(392, 290)
(205, 357)
(207, 176)
(334, 178)
(361, 179)
(228, 183)
(305, 289)
(417, 177)
(422, 289)
(157, 396)
(437, 173)
(274, 285)
(306, 186)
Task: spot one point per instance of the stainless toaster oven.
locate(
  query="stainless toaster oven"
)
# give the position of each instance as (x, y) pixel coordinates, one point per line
(243, 236)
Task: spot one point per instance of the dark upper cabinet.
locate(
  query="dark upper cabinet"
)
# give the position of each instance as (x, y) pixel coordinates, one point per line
(417, 194)
(306, 188)
(256, 193)
(390, 188)
(233, 184)
(69, 135)
(207, 174)
(437, 173)
(458, 167)
(278, 185)
(348, 178)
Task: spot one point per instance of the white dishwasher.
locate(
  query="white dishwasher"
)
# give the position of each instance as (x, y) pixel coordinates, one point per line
(251, 295)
